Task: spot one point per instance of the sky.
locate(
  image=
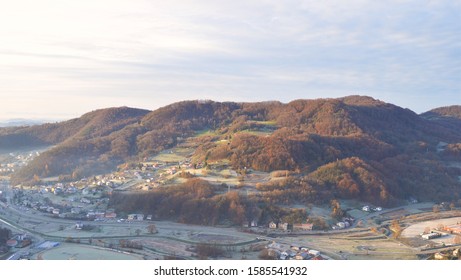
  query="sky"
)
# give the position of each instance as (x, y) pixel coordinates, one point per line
(62, 58)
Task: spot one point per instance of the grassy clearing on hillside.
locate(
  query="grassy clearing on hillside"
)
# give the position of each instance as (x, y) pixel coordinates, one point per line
(206, 132)
(255, 132)
(266, 123)
(168, 156)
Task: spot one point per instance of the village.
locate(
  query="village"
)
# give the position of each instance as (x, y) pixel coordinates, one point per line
(48, 219)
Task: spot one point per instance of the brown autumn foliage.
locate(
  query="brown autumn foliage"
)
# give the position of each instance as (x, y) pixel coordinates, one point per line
(352, 147)
(205, 251)
(198, 202)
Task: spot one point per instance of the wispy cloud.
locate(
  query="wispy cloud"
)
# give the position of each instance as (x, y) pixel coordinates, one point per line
(89, 54)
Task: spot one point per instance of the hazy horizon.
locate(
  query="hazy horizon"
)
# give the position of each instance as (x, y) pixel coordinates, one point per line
(61, 59)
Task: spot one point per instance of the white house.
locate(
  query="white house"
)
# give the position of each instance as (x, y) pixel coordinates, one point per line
(131, 217)
(314, 253)
(341, 225)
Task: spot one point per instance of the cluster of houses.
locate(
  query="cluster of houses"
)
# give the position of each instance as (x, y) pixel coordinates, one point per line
(295, 252)
(454, 228)
(431, 235)
(168, 168)
(454, 254)
(15, 162)
(6, 169)
(19, 241)
(69, 189)
(345, 223)
(101, 215)
(442, 231)
(291, 227)
(282, 226)
(138, 217)
(78, 213)
(145, 166)
(368, 208)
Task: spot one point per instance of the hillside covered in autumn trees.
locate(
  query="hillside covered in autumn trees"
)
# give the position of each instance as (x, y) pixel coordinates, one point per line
(352, 147)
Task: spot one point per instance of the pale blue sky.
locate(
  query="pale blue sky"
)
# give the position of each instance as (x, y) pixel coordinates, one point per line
(62, 58)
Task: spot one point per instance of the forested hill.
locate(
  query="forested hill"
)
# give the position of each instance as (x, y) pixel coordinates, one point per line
(354, 146)
(448, 112)
(91, 125)
(446, 116)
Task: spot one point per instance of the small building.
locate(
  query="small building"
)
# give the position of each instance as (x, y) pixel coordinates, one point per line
(272, 225)
(85, 200)
(252, 223)
(99, 215)
(366, 208)
(314, 253)
(71, 190)
(12, 243)
(454, 228)
(111, 215)
(431, 235)
(341, 225)
(90, 215)
(57, 191)
(131, 217)
(412, 200)
(441, 256)
(306, 226)
(286, 226)
(294, 247)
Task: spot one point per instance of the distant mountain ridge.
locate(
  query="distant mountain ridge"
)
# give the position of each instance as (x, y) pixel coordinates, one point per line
(20, 122)
(354, 146)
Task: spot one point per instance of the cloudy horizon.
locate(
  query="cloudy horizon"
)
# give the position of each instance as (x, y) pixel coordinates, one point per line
(61, 59)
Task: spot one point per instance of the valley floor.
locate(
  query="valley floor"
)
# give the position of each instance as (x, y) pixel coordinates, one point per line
(108, 239)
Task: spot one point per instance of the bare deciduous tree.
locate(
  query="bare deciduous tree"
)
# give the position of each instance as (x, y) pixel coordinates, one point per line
(152, 229)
